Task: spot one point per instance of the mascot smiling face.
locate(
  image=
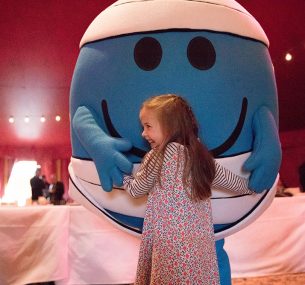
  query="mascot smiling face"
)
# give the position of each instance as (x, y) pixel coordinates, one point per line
(215, 55)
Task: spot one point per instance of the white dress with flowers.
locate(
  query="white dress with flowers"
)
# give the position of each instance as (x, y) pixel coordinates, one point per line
(178, 244)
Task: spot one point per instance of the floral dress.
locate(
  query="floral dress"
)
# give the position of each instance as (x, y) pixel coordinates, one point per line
(178, 244)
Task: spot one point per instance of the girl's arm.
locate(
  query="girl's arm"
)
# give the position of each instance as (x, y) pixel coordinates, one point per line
(141, 183)
(227, 180)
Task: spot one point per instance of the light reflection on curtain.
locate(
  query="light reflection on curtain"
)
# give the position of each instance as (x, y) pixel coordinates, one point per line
(6, 168)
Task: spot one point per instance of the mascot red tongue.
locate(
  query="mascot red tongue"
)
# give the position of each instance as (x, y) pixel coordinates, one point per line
(213, 53)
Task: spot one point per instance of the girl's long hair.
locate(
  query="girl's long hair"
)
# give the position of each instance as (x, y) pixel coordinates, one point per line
(179, 124)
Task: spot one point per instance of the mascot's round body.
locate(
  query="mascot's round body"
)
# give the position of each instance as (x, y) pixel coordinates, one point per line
(215, 55)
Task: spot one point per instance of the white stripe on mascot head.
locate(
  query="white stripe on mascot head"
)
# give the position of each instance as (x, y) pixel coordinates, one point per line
(214, 54)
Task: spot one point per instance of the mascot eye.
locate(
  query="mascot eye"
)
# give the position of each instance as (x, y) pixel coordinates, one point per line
(148, 53)
(201, 53)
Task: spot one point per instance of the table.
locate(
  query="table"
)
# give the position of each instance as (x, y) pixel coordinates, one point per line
(99, 253)
(33, 244)
(66, 244)
(70, 245)
(273, 244)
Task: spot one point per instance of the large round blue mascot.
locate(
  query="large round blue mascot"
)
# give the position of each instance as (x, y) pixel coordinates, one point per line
(214, 54)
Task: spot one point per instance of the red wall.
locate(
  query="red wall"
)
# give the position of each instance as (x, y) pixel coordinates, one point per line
(293, 147)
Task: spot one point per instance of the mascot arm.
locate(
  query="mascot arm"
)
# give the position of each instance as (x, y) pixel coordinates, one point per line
(265, 160)
(106, 151)
(227, 180)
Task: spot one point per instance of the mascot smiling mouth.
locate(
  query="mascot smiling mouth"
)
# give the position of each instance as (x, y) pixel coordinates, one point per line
(227, 144)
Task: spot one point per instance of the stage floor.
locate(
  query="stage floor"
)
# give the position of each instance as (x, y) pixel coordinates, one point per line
(287, 279)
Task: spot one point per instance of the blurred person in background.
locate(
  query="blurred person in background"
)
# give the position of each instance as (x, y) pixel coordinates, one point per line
(37, 186)
(46, 186)
(302, 177)
(56, 191)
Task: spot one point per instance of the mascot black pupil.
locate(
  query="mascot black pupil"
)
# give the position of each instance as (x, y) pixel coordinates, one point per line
(148, 53)
(201, 53)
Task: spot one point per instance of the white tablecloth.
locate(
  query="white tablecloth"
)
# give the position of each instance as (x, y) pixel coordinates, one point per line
(99, 253)
(66, 244)
(33, 244)
(273, 244)
(70, 245)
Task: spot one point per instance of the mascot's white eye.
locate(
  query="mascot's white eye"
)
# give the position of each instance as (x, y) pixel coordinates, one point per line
(201, 53)
(148, 53)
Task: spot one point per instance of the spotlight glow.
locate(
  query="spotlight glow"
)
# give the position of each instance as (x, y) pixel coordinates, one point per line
(11, 119)
(288, 56)
(57, 118)
(26, 119)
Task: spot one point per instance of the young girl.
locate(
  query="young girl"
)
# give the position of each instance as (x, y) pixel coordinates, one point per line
(178, 245)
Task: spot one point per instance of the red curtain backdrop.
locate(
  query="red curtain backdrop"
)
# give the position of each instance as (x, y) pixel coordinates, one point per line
(53, 160)
(293, 147)
(5, 168)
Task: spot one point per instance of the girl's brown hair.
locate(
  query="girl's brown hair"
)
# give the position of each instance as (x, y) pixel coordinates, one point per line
(179, 124)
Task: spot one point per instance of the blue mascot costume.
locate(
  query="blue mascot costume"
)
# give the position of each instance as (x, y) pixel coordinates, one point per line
(214, 54)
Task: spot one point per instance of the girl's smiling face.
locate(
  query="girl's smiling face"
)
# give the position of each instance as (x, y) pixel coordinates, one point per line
(152, 131)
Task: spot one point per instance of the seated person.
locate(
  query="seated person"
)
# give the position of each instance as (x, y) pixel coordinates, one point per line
(56, 191)
(302, 177)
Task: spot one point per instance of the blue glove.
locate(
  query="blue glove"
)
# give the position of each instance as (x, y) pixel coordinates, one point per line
(105, 150)
(265, 160)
